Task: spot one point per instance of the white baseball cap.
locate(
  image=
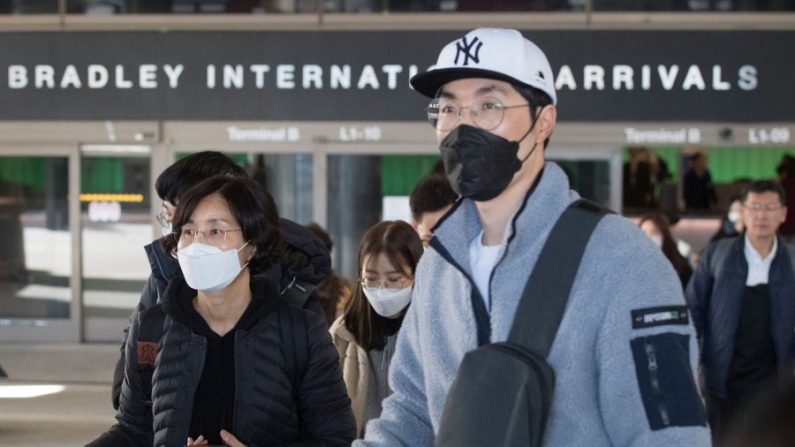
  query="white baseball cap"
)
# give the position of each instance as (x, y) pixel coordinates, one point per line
(493, 53)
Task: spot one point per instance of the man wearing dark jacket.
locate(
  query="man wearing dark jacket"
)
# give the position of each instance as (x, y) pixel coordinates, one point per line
(304, 261)
(742, 299)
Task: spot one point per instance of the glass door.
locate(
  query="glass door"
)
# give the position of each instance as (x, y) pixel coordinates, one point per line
(595, 173)
(37, 287)
(115, 225)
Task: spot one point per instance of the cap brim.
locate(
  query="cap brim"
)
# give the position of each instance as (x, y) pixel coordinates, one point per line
(431, 81)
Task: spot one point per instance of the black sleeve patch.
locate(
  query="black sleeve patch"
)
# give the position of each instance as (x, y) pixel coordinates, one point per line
(659, 316)
(667, 387)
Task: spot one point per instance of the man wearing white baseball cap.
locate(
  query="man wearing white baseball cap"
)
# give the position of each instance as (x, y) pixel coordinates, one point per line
(624, 353)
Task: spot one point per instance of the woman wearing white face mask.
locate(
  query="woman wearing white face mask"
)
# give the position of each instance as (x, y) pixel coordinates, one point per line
(656, 226)
(365, 335)
(732, 224)
(226, 368)
(303, 263)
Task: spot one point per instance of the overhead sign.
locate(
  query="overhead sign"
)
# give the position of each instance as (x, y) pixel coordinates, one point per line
(601, 76)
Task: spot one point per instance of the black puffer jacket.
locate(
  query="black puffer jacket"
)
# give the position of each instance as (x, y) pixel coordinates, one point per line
(305, 260)
(266, 409)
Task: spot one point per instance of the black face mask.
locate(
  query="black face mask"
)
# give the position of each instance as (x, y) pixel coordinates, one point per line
(479, 164)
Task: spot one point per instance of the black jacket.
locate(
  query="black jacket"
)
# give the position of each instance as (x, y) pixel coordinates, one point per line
(305, 261)
(715, 305)
(267, 411)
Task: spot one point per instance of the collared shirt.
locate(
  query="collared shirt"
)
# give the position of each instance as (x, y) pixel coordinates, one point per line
(758, 267)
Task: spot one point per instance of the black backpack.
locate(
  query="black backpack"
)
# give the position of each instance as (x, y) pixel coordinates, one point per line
(503, 391)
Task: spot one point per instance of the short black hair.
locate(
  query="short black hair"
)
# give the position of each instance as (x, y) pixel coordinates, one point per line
(185, 173)
(763, 186)
(431, 193)
(252, 207)
(537, 100)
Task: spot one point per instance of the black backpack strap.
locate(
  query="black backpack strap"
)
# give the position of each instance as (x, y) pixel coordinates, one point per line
(544, 298)
(295, 349)
(294, 343)
(791, 252)
(722, 249)
(297, 292)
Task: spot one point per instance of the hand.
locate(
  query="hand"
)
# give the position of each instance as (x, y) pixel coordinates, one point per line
(230, 439)
(198, 441)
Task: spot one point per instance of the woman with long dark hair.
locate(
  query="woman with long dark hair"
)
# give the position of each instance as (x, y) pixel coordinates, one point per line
(365, 335)
(656, 226)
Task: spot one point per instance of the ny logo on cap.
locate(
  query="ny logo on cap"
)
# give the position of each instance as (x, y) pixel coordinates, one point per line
(470, 50)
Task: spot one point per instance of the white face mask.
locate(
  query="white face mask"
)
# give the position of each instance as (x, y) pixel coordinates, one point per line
(387, 302)
(734, 216)
(657, 240)
(207, 268)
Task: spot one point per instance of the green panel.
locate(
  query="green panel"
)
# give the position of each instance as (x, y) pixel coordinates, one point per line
(26, 171)
(102, 175)
(670, 155)
(240, 158)
(730, 164)
(399, 173)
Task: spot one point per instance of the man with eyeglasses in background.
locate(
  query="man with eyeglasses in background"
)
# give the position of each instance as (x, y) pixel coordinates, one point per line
(493, 107)
(742, 300)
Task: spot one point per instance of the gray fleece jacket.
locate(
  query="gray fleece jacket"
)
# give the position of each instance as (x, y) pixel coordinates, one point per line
(624, 356)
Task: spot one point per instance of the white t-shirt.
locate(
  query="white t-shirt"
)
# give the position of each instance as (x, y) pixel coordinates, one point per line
(482, 259)
(758, 268)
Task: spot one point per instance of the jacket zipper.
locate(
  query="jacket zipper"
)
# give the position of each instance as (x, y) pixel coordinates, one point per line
(654, 378)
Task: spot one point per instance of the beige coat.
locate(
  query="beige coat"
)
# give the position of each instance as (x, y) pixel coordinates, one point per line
(355, 367)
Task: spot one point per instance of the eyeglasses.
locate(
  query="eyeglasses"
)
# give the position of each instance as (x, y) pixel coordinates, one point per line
(487, 113)
(163, 220)
(401, 283)
(769, 207)
(213, 236)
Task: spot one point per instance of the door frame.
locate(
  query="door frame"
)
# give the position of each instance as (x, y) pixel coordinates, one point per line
(105, 330)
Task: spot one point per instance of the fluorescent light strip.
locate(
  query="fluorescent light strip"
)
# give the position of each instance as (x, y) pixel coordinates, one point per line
(28, 391)
(116, 148)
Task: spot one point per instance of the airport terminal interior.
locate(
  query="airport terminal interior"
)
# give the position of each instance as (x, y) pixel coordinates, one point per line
(311, 98)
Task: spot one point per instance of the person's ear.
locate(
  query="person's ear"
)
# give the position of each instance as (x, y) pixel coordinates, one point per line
(547, 118)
